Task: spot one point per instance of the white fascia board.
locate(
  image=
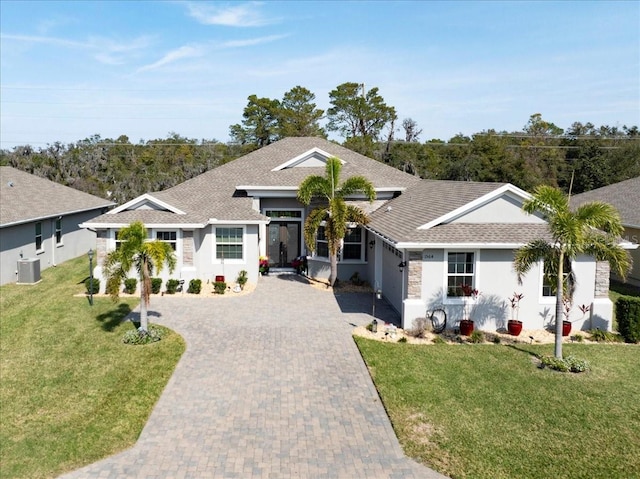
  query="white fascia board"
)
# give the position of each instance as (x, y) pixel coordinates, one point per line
(508, 188)
(143, 199)
(303, 157)
(410, 245)
(177, 226)
(216, 221)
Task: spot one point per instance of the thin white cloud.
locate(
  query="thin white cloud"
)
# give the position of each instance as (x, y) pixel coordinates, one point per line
(187, 51)
(252, 41)
(245, 15)
(103, 49)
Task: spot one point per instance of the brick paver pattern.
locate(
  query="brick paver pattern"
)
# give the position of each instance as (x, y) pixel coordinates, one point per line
(271, 386)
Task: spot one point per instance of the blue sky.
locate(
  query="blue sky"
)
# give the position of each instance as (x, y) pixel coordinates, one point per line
(69, 70)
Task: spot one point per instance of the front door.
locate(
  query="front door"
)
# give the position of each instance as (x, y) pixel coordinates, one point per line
(284, 242)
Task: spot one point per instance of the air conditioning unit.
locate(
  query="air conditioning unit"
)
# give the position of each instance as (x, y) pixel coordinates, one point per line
(29, 271)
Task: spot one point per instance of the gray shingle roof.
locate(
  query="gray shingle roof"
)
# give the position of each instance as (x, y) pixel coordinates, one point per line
(625, 196)
(213, 194)
(25, 197)
(429, 200)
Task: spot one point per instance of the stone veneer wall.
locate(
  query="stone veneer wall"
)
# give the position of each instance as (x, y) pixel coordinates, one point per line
(101, 246)
(603, 271)
(187, 248)
(414, 286)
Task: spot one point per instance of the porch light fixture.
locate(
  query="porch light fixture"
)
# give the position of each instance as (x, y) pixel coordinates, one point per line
(402, 265)
(372, 243)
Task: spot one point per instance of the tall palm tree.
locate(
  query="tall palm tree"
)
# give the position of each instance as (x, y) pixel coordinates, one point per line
(136, 251)
(593, 228)
(334, 212)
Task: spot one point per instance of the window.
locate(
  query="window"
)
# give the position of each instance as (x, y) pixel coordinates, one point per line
(229, 243)
(39, 236)
(167, 237)
(118, 240)
(460, 271)
(322, 246)
(59, 231)
(352, 244)
(549, 281)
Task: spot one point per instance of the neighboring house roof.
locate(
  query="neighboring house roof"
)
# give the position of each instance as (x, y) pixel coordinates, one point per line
(625, 196)
(25, 198)
(222, 194)
(424, 215)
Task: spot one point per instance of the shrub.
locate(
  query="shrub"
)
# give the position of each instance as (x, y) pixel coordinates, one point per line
(578, 338)
(476, 337)
(96, 285)
(172, 286)
(438, 340)
(219, 287)
(628, 316)
(604, 336)
(140, 336)
(195, 286)
(156, 285)
(130, 285)
(356, 280)
(242, 278)
(420, 327)
(568, 364)
(403, 339)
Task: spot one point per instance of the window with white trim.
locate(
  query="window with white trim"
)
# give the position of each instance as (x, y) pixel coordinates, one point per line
(322, 245)
(168, 237)
(39, 236)
(229, 242)
(549, 283)
(58, 231)
(460, 271)
(352, 249)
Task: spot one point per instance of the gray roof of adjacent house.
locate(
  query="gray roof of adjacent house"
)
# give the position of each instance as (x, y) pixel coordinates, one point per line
(625, 196)
(430, 200)
(25, 197)
(216, 193)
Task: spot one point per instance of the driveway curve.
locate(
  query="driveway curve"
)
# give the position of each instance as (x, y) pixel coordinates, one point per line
(271, 386)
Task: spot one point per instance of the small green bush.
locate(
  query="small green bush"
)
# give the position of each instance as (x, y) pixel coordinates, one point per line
(156, 285)
(568, 364)
(96, 285)
(578, 338)
(130, 285)
(140, 336)
(438, 340)
(242, 278)
(403, 339)
(219, 287)
(195, 286)
(604, 336)
(476, 337)
(172, 286)
(628, 316)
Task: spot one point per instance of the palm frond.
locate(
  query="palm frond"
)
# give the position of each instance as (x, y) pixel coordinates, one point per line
(530, 254)
(314, 186)
(311, 225)
(357, 184)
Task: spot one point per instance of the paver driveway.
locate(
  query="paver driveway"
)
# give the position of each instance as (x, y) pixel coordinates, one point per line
(271, 386)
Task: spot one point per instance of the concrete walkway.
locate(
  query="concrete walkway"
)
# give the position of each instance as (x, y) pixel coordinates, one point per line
(271, 386)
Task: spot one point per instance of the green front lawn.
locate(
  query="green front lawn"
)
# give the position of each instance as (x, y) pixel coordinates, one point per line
(70, 391)
(487, 411)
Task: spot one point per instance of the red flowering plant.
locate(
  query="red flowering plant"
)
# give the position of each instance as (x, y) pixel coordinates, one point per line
(469, 293)
(263, 265)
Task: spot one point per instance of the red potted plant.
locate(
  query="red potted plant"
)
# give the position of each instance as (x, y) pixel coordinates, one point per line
(514, 325)
(466, 324)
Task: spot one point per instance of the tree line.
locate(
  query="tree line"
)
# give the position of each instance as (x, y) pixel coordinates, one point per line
(582, 157)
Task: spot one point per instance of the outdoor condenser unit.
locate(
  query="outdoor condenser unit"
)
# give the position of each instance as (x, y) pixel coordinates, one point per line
(29, 271)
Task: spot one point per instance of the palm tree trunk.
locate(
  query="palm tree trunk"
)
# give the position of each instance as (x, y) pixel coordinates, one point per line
(144, 295)
(559, 297)
(334, 268)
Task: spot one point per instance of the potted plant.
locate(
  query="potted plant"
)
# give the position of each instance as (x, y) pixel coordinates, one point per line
(466, 324)
(263, 265)
(566, 323)
(514, 325)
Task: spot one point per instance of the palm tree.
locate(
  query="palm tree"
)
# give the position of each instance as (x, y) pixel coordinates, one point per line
(136, 251)
(335, 213)
(593, 228)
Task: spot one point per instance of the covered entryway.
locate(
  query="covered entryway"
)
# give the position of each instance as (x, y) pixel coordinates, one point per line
(284, 242)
